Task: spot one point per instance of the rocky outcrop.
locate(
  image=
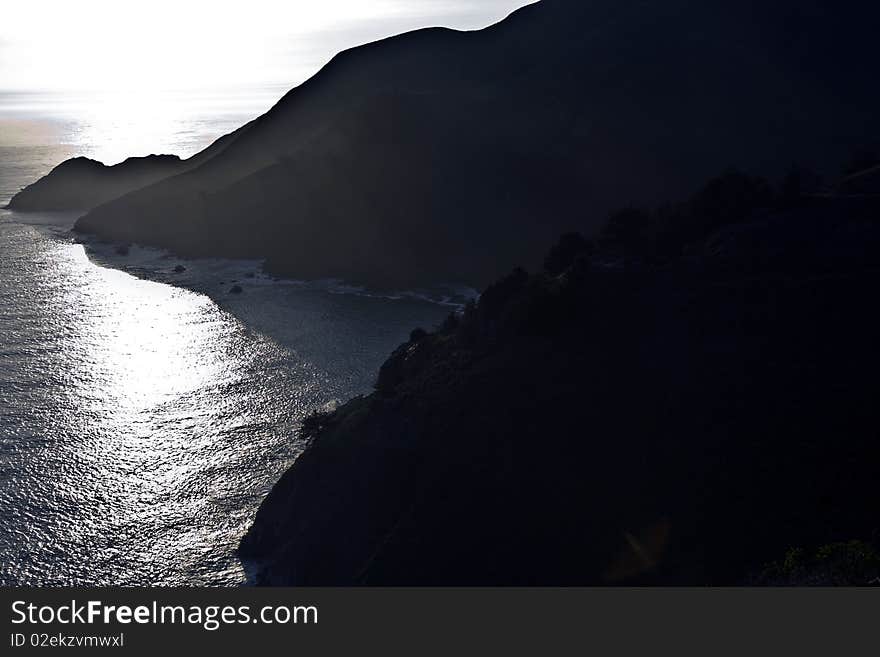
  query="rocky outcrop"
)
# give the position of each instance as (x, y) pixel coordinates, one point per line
(81, 184)
(674, 409)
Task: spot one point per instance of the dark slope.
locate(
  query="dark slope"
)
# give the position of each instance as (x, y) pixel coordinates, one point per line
(862, 182)
(82, 184)
(681, 422)
(444, 156)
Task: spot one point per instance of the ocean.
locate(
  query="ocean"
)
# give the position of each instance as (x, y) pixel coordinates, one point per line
(145, 412)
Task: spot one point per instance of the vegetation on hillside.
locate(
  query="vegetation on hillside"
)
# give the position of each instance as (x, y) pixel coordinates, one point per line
(676, 401)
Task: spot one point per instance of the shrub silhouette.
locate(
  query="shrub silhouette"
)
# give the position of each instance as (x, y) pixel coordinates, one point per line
(565, 252)
(850, 563)
(861, 161)
(729, 199)
(451, 323)
(631, 226)
(497, 296)
(798, 182)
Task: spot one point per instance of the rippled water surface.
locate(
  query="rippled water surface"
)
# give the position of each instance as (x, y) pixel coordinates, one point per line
(144, 413)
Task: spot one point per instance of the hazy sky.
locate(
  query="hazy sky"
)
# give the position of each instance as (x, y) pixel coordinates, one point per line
(118, 45)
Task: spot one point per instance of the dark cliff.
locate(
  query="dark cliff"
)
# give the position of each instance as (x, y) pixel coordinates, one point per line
(82, 184)
(675, 403)
(442, 156)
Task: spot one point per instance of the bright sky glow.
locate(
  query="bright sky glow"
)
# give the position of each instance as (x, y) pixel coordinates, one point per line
(157, 45)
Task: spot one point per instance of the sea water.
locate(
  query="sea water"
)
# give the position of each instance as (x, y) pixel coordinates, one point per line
(145, 411)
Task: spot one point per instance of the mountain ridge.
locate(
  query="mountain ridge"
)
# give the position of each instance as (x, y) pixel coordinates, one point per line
(445, 156)
(82, 183)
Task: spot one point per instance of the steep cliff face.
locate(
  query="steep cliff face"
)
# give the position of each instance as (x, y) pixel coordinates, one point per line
(628, 415)
(440, 156)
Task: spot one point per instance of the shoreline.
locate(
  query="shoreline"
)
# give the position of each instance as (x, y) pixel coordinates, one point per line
(216, 277)
(335, 338)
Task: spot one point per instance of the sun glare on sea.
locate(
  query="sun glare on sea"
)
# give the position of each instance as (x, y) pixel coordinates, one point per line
(148, 364)
(137, 78)
(142, 422)
(154, 349)
(121, 125)
(113, 126)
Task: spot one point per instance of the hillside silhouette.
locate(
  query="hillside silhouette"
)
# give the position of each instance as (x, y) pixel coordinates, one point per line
(445, 156)
(678, 403)
(82, 184)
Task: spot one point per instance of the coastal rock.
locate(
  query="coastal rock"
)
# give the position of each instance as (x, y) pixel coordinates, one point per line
(681, 419)
(82, 184)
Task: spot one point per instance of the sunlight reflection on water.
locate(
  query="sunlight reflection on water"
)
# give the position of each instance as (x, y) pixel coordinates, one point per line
(111, 127)
(141, 423)
(142, 409)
